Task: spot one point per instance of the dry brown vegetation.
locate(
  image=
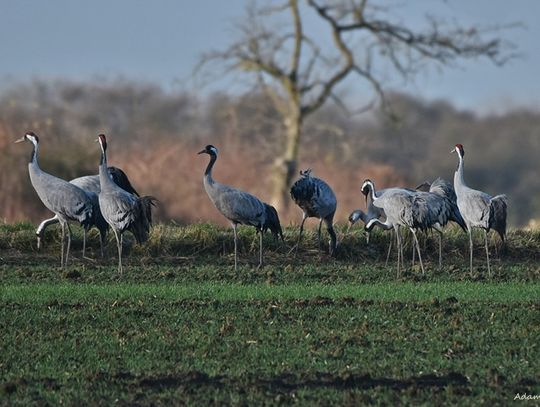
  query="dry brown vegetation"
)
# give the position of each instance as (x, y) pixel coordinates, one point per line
(154, 136)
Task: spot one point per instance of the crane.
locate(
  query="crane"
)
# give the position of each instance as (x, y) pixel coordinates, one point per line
(317, 200)
(90, 184)
(240, 207)
(120, 209)
(372, 211)
(399, 206)
(67, 201)
(478, 209)
(435, 208)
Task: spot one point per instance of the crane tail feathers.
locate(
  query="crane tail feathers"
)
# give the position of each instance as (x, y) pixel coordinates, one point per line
(497, 216)
(272, 222)
(143, 218)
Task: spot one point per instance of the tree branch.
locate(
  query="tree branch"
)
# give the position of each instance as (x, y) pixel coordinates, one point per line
(298, 36)
(341, 73)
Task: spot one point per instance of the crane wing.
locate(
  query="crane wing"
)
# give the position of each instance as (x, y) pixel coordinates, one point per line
(240, 207)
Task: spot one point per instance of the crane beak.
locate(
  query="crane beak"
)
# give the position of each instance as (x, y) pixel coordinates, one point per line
(452, 151)
(202, 152)
(20, 140)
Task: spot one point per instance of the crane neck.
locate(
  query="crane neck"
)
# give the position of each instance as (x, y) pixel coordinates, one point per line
(208, 171)
(458, 176)
(34, 155)
(371, 196)
(104, 176)
(363, 216)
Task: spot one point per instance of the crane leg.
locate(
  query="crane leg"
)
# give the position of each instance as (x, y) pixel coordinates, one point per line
(401, 248)
(260, 249)
(333, 237)
(119, 247)
(319, 236)
(68, 242)
(487, 252)
(418, 248)
(399, 252)
(295, 248)
(62, 224)
(389, 250)
(413, 255)
(103, 237)
(101, 241)
(234, 226)
(470, 250)
(440, 249)
(84, 243)
(121, 250)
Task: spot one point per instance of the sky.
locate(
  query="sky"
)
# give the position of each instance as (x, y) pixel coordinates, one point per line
(161, 41)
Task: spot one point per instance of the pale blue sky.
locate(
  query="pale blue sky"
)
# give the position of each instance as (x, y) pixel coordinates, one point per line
(160, 41)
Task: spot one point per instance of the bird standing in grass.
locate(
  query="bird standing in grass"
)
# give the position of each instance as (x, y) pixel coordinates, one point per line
(121, 209)
(317, 200)
(373, 212)
(67, 201)
(90, 185)
(399, 207)
(435, 207)
(478, 209)
(239, 207)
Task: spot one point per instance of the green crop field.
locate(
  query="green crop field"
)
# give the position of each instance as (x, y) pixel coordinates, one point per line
(180, 326)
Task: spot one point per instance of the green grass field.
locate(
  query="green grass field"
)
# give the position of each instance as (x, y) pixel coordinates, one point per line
(180, 326)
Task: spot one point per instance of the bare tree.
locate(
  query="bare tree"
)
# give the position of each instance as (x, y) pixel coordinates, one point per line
(299, 75)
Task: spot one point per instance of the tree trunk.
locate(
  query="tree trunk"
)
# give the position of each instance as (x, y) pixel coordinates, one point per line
(285, 166)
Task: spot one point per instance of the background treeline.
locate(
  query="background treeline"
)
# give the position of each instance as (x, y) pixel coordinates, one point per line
(154, 136)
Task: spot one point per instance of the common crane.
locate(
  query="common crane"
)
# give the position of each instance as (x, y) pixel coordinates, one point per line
(478, 209)
(372, 213)
(67, 201)
(317, 200)
(121, 209)
(435, 208)
(399, 206)
(240, 207)
(90, 184)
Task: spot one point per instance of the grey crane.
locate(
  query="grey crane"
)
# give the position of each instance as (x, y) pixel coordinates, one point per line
(90, 184)
(372, 213)
(434, 206)
(317, 200)
(433, 209)
(478, 209)
(67, 201)
(240, 207)
(121, 209)
(399, 207)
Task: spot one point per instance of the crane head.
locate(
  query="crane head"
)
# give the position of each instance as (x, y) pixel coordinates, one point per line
(209, 149)
(459, 149)
(355, 216)
(29, 136)
(102, 140)
(366, 186)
